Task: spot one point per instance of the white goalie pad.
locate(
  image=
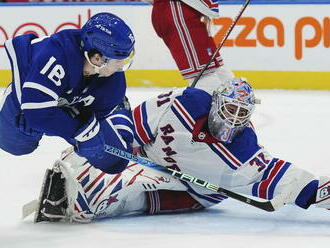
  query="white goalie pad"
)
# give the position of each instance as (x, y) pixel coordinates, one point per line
(93, 194)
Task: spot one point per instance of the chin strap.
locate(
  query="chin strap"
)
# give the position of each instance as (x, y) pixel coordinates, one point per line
(95, 67)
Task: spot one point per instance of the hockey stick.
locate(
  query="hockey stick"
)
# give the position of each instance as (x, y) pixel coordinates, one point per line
(264, 205)
(221, 44)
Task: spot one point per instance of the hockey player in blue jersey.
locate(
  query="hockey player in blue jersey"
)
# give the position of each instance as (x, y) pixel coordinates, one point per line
(68, 85)
(209, 137)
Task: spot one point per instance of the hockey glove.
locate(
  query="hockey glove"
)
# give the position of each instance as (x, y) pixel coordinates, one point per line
(123, 123)
(117, 131)
(89, 140)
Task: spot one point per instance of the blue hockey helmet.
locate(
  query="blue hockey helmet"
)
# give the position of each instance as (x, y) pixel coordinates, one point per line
(108, 34)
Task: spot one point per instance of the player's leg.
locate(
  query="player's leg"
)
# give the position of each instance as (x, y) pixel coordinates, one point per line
(12, 137)
(189, 42)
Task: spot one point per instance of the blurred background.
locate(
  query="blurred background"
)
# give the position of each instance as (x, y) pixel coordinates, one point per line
(281, 44)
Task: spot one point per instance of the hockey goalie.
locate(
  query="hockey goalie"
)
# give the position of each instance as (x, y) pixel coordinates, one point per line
(188, 130)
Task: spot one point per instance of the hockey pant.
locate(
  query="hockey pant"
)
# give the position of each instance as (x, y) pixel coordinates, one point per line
(189, 42)
(93, 194)
(15, 137)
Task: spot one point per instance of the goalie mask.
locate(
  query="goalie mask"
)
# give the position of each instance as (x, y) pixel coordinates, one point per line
(232, 106)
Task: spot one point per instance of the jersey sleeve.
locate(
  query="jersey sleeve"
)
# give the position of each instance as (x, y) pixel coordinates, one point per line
(265, 176)
(147, 115)
(272, 177)
(44, 84)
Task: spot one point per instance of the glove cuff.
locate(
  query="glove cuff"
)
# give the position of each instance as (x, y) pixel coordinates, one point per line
(88, 131)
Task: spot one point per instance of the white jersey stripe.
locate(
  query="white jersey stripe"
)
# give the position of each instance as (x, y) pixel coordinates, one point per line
(121, 116)
(5, 95)
(17, 78)
(183, 42)
(181, 109)
(41, 88)
(39, 105)
(187, 34)
(228, 154)
(116, 132)
(124, 127)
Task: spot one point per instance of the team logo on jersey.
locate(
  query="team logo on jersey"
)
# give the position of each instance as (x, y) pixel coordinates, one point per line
(103, 205)
(164, 179)
(88, 100)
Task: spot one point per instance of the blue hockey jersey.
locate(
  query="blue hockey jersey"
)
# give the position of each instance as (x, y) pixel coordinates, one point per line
(49, 87)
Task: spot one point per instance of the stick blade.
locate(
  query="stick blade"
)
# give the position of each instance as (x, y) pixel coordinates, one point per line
(29, 208)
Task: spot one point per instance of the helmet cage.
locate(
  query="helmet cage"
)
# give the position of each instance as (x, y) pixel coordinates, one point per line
(230, 112)
(234, 112)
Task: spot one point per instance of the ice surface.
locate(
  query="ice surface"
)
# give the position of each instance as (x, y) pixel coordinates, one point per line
(293, 125)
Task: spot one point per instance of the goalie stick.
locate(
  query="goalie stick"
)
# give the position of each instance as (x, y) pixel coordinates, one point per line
(270, 205)
(221, 44)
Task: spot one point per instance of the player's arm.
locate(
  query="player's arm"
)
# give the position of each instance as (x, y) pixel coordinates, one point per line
(269, 177)
(116, 129)
(257, 173)
(41, 90)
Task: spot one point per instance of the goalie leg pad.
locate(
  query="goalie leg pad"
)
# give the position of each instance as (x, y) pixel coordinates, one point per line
(93, 194)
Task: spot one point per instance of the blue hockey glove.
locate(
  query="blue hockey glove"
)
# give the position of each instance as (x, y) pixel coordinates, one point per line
(89, 140)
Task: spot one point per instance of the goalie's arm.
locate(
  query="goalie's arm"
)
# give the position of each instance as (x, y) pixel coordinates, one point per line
(147, 116)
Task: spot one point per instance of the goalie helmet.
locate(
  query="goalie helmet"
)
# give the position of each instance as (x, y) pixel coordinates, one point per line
(232, 106)
(108, 34)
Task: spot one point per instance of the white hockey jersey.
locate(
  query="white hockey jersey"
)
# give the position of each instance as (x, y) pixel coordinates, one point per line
(172, 130)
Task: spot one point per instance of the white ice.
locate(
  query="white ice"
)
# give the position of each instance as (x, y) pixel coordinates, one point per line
(293, 125)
